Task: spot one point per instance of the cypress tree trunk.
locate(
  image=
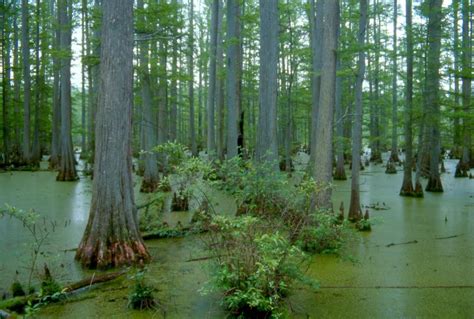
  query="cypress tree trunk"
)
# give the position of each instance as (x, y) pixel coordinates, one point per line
(267, 148)
(174, 85)
(67, 169)
(36, 149)
(56, 118)
(323, 152)
(394, 149)
(5, 90)
(211, 94)
(456, 51)
(340, 172)
(192, 129)
(233, 75)
(407, 185)
(25, 52)
(16, 149)
(316, 11)
(150, 175)
(111, 238)
(431, 96)
(220, 86)
(466, 85)
(355, 212)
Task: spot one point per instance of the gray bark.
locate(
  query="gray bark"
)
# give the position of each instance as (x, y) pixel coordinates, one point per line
(394, 150)
(323, 151)
(267, 148)
(56, 118)
(211, 94)
(220, 85)
(25, 51)
(431, 96)
(111, 238)
(355, 208)
(316, 12)
(150, 173)
(67, 169)
(192, 129)
(466, 81)
(407, 185)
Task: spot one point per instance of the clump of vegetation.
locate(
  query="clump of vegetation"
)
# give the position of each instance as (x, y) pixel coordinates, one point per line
(150, 213)
(180, 200)
(365, 224)
(141, 296)
(255, 266)
(327, 235)
(17, 289)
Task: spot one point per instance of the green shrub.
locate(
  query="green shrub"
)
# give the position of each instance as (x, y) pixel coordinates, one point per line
(255, 266)
(141, 296)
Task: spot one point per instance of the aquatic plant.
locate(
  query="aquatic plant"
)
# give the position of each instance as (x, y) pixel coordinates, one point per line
(141, 296)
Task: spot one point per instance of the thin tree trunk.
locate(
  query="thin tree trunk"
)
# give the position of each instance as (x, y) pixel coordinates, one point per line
(267, 148)
(431, 96)
(25, 49)
(407, 185)
(16, 92)
(220, 85)
(394, 150)
(192, 129)
(150, 174)
(56, 116)
(5, 89)
(355, 212)
(36, 149)
(324, 123)
(211, 94)
(466, 84)
(67, 169)
(111, 238)
(174, 86)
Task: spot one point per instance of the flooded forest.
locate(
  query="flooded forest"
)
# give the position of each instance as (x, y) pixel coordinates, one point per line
(236, 159)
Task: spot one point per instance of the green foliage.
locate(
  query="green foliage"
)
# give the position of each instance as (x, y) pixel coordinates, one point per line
(175, 153)
(141, 296)
(255, 268)
(17, 289)
(327, 235)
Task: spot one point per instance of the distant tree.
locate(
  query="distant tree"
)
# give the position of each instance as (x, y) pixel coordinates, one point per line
(25, 52)
(431, 94)
(394, 148)
(67, 168)
(112, 238)
(267, 147)
(211, 94)
(355, 212)
(407, 185)
(323, 151)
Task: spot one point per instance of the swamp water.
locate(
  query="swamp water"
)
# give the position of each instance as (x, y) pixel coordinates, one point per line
(432, 278)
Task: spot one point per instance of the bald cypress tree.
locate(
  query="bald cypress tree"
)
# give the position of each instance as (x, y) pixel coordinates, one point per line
(111, 237)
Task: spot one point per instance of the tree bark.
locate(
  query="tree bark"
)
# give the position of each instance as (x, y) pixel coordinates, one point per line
(192, 129)
(67, 169)
(25, 51)
(323, 151)
(407, 185)
(150, 174)
(466, 84)
(355, 212)
(111, 238)
(56, 116)
(211, 94)
(394, 149)
(234, 71)
(267, 148)
(431, 96)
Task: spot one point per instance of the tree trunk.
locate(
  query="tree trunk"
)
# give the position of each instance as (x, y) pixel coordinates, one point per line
(56, 116)
(5, 90)
(316, 22)
(456, 51)
(355, 212)
(431, 96)
(394, 150)
(174, 85)
(234, 71)
(323, 151)
(111, 238)
(220, 85)
(150, 174)
(36, 149)
(192, 129)
(16, 150)
(466, 85)
(267, 148)
(211, 94)
(67, 169)
(340, 172)
(25, 51)
(407, 185)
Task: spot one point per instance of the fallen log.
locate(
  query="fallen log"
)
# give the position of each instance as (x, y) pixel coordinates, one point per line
(448, 237)
(94, 279)
(405, 243)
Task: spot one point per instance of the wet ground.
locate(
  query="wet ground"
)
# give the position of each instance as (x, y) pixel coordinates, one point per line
(428, 272)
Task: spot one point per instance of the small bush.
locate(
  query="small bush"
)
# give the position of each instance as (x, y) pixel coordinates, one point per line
(141, 297)
(17, 289)
(255, 267)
